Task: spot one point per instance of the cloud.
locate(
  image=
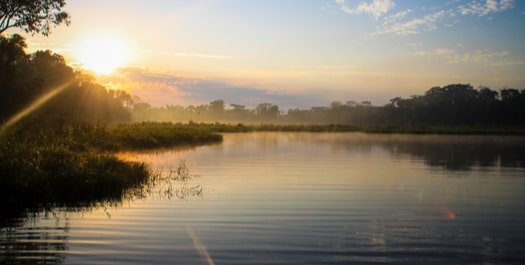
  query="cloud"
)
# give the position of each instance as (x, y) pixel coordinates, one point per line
(161, 89)
(403, 24)
(204, 55)
(413, 26)
(397, 16)
(488, 7)
(485, 57)
(376, 8)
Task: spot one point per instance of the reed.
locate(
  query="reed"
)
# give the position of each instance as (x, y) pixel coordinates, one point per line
(72, 164)
(75, 164)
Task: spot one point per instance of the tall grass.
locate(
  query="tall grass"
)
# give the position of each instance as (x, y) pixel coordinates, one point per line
(75, 164)
(149, 135)
(408, 129)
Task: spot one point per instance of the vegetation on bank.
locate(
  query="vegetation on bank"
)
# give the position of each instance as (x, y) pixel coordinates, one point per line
(75, 164)
(408, 129)
(149, 135)
(454, 105)
(60, 128)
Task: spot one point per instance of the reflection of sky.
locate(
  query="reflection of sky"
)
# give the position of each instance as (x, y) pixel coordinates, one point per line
(311, 198)
(330, 163)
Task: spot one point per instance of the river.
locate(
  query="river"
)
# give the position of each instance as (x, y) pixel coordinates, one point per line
(301, 198)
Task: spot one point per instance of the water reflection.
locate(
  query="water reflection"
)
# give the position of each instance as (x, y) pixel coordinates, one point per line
(177, 183)
(449, 152)
(37, 238)
(40, 235)
(278, 198)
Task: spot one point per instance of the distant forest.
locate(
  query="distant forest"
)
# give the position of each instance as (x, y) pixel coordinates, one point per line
(451, 105)
(25, 79)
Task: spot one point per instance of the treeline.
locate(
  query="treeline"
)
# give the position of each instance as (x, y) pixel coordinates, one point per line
(44, 79)
(451, 105)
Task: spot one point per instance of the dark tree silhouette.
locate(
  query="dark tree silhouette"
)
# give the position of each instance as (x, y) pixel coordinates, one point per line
(26, 78)
(16, 82)
(267, 110)
(32, 16)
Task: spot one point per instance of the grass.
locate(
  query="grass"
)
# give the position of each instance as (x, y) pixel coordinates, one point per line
(148, 135)
(403, 129)
(75, 164)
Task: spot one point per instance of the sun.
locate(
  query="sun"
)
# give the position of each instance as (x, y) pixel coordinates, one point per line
(102, 54)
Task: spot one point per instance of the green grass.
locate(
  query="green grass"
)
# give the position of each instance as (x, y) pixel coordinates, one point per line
(148, 135)
(75, 164)
(408, 129)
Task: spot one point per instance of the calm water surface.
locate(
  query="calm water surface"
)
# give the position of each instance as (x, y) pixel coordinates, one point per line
(279, 198)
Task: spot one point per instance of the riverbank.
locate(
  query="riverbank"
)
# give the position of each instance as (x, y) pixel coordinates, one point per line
(71, 165)
(76, 164)
(409, 129)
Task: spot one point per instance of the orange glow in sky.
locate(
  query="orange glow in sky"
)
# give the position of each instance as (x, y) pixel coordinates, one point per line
(102, 54)
(308, 52)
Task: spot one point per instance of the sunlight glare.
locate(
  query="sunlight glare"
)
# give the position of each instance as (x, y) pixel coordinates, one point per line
(33, 106)
(102, 54)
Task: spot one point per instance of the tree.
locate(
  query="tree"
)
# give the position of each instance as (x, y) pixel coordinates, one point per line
(27, 79)
(16, 77)
(487, 95)
(12, 55)
(32, 16)
(267, 110)
(217, 106)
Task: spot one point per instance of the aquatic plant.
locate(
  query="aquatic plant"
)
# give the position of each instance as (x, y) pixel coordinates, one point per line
(73, 164)
(177, 183)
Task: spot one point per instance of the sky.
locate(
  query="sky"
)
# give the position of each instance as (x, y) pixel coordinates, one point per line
(293, 53)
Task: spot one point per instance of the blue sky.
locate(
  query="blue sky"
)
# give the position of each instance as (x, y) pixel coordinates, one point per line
(300, 53)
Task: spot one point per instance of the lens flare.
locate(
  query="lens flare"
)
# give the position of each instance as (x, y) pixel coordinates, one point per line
(199, 246)
(33, 106)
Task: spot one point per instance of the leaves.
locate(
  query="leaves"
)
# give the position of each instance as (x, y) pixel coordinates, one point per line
(32, 16)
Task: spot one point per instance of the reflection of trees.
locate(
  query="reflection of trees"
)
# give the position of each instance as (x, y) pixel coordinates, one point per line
(448, 152)
(464, 156)
(40, 235)
(39, 238)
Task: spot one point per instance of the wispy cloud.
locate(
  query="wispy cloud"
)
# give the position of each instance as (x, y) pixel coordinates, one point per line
(161, 89)
(396, 17)
(485, 57)
(408, 22)
(413, 26)
(204, 55)
(481, 8)
(376, 8)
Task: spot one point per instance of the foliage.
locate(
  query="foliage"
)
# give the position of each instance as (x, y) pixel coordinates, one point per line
(71, 165)
(449, 106)
(25, 79)
(376, 129)
(34, 16)
(34, 174)
(460, 104)
(149, 135)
